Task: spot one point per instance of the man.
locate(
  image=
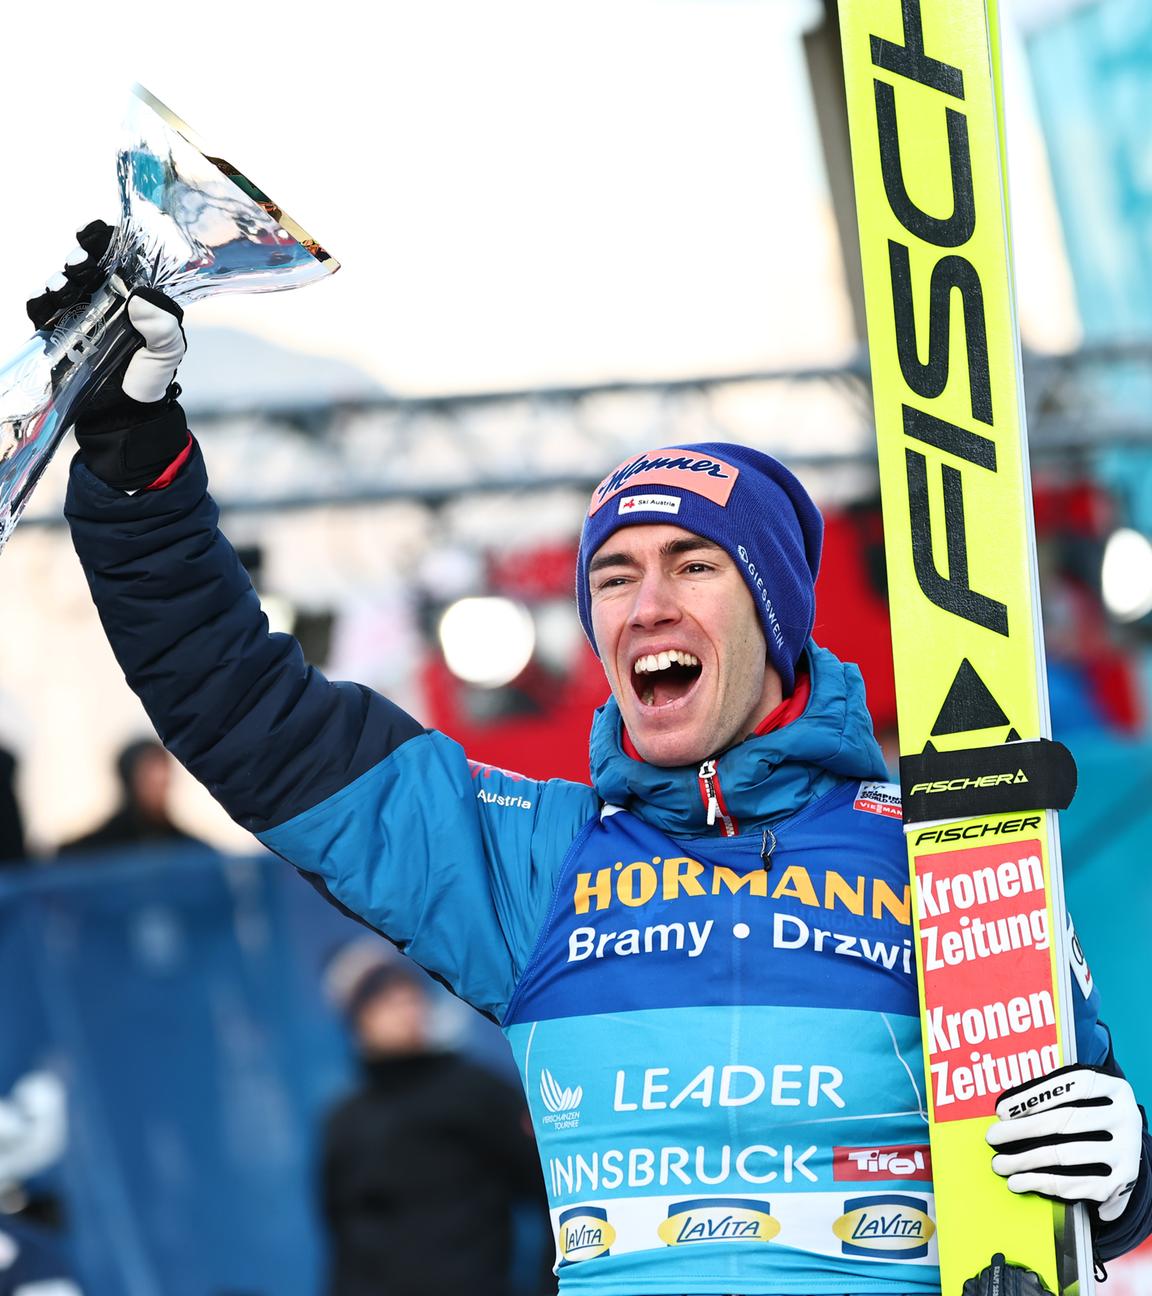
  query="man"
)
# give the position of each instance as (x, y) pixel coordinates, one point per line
(703, 962)
(144, 772)
(426, 1163)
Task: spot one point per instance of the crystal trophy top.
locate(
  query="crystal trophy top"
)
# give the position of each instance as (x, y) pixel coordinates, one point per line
(190, 225)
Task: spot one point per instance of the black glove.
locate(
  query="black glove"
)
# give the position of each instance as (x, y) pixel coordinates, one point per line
(81, 276)
(132, 427)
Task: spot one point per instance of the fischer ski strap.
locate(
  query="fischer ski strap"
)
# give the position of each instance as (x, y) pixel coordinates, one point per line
(981, 777)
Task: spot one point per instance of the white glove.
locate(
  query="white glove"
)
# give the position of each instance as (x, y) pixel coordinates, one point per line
(1075, 1135)
(153, 367)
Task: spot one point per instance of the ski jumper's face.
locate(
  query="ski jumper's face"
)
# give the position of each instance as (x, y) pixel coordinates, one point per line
(681, 643)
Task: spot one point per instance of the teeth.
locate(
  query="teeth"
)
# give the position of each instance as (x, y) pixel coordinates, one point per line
(661, 661)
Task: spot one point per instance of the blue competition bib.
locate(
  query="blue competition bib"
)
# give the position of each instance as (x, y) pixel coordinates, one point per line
(723, 1059)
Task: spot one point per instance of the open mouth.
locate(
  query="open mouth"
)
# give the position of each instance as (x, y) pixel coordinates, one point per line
(665, 677)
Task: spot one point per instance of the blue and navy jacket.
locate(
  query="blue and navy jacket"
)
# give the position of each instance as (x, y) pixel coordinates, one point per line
(718, 1034)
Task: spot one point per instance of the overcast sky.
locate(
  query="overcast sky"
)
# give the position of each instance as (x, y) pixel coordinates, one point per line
(519, 190)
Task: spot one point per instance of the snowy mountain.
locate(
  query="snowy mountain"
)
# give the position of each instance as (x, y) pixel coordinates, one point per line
(230, 369)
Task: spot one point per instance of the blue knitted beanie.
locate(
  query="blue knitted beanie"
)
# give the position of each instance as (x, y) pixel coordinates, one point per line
(744, 501)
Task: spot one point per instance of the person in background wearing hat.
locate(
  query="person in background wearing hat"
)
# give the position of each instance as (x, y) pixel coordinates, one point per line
(144, 772)
(703, 960)
(425, 1166)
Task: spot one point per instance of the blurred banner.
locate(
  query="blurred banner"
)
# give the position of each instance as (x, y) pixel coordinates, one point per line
(1108, 887)
(178, 1000)
(1092, 71)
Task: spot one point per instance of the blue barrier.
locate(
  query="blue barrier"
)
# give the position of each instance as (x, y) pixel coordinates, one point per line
(178, 997)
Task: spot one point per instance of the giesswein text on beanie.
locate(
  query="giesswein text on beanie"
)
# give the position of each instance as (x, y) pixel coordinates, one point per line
(741, 499)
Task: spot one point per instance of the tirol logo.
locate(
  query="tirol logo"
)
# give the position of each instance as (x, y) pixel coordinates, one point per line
(867, 1164)
(718, 1219)
(583, 1234)
(678, 470)
(888, 1226)
(563, 1104)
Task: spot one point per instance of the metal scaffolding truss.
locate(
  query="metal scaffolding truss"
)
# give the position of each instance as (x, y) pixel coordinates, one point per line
(439, 447)
(435, 449)
(818, 419)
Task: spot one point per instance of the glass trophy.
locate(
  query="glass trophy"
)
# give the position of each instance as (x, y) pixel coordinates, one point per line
(190, 225)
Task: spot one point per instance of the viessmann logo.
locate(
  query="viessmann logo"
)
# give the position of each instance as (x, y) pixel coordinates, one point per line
(563, 1104)
(885, 1226)
(880, 799)
(718, 1219)
(584, 1233)
(869, 1164)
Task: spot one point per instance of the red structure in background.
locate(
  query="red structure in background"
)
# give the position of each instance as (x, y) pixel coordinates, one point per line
(1073, 522)
(543, 731)
(852, 605)
(541, 721)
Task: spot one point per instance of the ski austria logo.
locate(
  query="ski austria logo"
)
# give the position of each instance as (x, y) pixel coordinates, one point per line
(563, 1104)
(718, 1219)
(879, 798)
(583, 1234)
(885, 1227)
(649, 504)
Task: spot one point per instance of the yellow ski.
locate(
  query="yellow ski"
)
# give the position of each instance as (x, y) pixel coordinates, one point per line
(981, 782)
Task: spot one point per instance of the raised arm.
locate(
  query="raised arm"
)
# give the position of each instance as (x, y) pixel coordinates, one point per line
(267, 734)
(380, 815)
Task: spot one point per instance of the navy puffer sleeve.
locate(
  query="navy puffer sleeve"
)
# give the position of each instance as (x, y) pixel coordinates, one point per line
(454, 862)
(1116, 1237)
(268, 735)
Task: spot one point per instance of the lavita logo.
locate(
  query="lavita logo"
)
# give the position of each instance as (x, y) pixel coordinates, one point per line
(563, 1104)
(583, 1233)
(886, 1227)
(718, 1219)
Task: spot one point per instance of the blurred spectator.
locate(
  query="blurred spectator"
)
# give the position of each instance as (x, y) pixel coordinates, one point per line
(426, 1164)
(144, 769)
(33, 1132)
(11, 823)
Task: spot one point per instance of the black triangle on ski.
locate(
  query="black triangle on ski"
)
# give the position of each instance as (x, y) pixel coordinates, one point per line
(929, 746)
(1013, 736)
(969, 705)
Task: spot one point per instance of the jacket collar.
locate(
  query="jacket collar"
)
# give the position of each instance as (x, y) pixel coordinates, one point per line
(762, 780)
